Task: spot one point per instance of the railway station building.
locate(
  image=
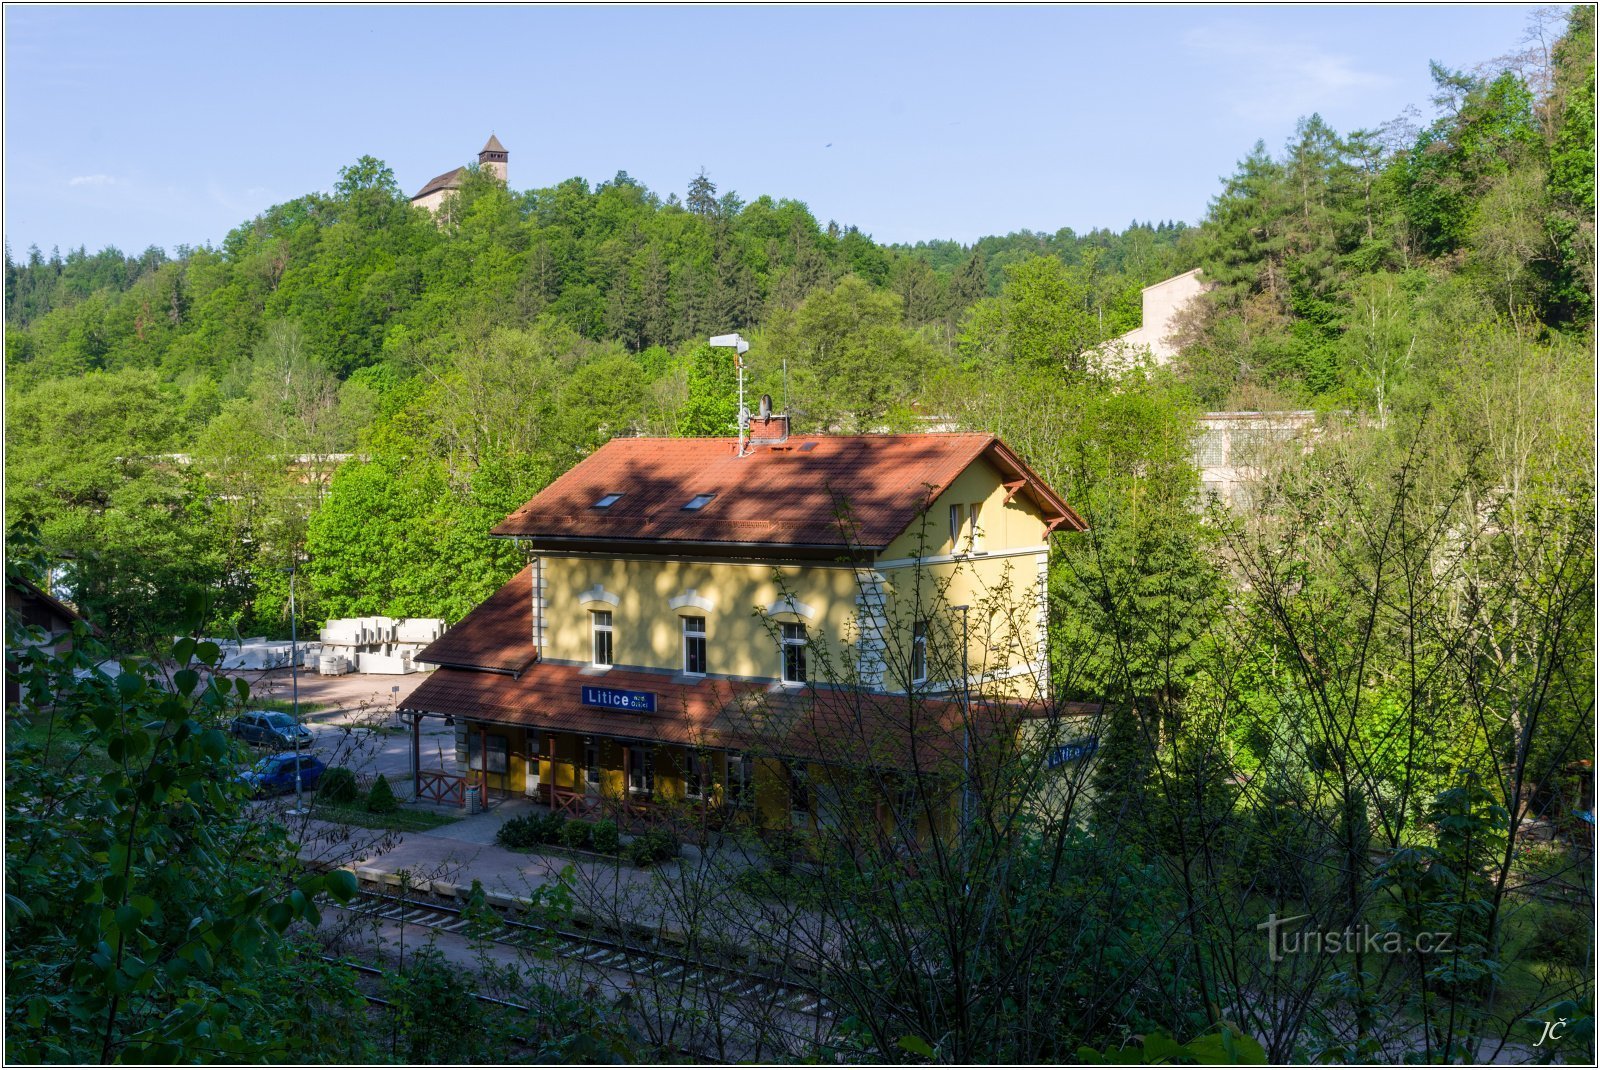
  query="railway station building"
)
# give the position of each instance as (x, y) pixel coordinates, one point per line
(747, 630)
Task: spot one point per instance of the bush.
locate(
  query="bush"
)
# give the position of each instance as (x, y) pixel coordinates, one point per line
(1560, 935)
(381, 800)
(603, 837)
(548, 828)
(338, 786)
(519, 833)
(575, 834)
(651, 847)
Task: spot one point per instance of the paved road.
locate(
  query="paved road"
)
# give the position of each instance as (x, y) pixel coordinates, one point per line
(354, 724)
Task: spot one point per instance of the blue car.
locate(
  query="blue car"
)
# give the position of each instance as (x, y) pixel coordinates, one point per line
(271, 729)
(274, 775)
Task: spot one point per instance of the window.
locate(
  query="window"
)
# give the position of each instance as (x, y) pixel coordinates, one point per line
(741, 773)
(694, 645)
(607, 501)
(600, 625)
(591, 764)
(699, 501)
(974, 536)
(794, 653)
(696, 775)
(955, 529)
(799, 788)
(641, 771)
(499, 749)
(919, 651)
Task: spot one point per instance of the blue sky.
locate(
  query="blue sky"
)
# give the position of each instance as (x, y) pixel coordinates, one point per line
(141, 126)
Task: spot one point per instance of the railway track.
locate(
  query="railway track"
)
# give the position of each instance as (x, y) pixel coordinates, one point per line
(601, 952)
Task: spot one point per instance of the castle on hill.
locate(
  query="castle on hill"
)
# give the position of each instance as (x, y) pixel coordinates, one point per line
(491, 158)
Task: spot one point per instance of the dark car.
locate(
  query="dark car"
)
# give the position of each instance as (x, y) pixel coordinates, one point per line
(277, 730)
(274, 774)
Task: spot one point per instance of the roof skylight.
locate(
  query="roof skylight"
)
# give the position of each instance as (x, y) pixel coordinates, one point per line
(608, 500)
(699, 501)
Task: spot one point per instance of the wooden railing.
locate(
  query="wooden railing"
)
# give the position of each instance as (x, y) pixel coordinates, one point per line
(438, 786)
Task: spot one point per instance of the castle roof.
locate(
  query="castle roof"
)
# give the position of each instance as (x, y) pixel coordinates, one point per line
(447, 181)
(493, 145)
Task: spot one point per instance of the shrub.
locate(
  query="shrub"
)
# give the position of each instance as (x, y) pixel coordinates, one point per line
(575, 834)
(1560, 935)
(603, 837)
(651, 847)
(519, 833)
(338, 786)
(548, 828)
(381, 800)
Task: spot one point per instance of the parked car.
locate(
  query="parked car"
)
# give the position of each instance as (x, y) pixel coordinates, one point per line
(274, 774)
(277, 730)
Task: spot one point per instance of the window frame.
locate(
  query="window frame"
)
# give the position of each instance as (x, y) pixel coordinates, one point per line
(687, 643)
(641, 764)
(608, 629)
(957, 526)
(974, 536)
(795, 647)
(591, 765)
(919, 652)
(697, 774)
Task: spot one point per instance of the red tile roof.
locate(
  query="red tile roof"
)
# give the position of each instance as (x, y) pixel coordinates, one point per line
(497, 635)
(838, 726)
(819, 491)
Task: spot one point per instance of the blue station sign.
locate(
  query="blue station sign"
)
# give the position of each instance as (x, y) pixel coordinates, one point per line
(614, 698)
(1075, 751)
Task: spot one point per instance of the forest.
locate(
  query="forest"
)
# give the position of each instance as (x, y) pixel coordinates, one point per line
(1391, 649)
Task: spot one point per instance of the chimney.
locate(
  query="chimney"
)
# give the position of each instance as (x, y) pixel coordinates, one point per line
(768, 428)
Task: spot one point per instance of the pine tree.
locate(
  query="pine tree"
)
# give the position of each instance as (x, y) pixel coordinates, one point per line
(702, 199)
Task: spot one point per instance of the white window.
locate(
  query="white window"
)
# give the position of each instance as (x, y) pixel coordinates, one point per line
(607, 501)
(919, 651)
(794, 653)
(591, 765)
(741, 775)
(955, 529)
(696, 775)
(600, 626)
(799, 785)
(641, 771)
(694, 646)
(974, 533)
(699, 501)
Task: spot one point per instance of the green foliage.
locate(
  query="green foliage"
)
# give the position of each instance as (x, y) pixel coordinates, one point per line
(380, 798)
(147, 910)
(653, 847)
(604, 837)
(338, 786)
(1226, 1047)
(575, 834)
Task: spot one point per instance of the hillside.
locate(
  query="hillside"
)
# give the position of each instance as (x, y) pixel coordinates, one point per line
(470, 360)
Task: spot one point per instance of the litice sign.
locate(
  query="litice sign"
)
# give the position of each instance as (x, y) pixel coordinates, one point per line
(612, 698)
(1075, 751)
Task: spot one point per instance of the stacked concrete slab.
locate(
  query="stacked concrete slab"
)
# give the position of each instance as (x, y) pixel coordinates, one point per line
(384, 645)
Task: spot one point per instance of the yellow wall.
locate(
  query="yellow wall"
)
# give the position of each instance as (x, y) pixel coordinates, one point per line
(647, 630)
(1001, 524)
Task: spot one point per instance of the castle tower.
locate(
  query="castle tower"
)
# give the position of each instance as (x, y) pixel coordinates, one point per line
(493, 158)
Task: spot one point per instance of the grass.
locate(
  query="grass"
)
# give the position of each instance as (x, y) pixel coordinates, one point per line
(278, 705)
(401, 820)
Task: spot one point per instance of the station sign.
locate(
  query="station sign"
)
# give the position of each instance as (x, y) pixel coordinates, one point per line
(1075, 751)
(614, 698)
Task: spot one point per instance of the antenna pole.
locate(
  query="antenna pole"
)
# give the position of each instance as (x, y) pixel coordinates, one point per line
(744, 413)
